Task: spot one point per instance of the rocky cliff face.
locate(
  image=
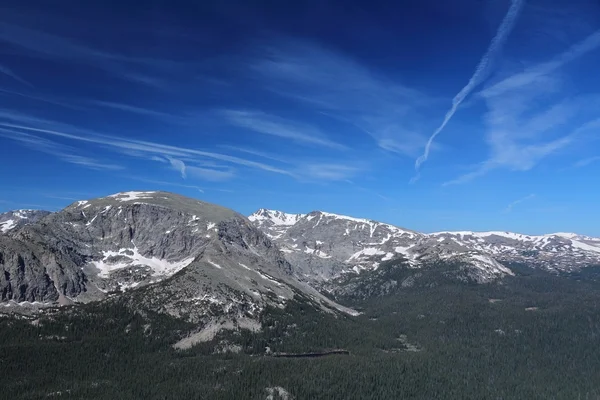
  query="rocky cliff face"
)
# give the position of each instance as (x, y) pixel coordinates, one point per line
(102, 245)
(324, 245)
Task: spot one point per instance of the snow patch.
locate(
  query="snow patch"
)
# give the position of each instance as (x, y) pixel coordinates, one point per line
(488, 264)
(388, 257)
(584, 246)
(462, 234)
(316, 252)
(337, 216)
(126, 286)
(262, 275)
(369, 251)
(245, 267)
(92, 221)
(566, 235)
(267, 277)
(210, 298)
(130, 196)
(7, 225)
(21, 214)
(158, 266)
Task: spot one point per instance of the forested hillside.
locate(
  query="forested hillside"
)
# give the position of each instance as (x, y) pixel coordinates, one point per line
(533, 336)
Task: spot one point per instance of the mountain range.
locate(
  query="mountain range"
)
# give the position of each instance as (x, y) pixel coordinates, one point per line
(324, 245)
(155, 295)
(218, 269)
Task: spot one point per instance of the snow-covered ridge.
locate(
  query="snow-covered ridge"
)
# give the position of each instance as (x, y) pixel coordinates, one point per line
(23, 214)
(353, 219)
(373, 225)
(508, 235)
(345, 243)
(578, 242)
(281, 218)
(286, 220)
(277, 218)
(513, 235)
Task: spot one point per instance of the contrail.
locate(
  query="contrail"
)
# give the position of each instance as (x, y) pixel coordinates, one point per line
(512, 205)
(587, 45)
(481, 72)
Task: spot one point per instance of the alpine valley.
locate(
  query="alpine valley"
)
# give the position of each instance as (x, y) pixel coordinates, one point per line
(156, 295)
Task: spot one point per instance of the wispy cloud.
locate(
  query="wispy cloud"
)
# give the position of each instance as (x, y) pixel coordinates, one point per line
(373, 192)
(257, 153)
(165, 183)
(41, 98)
(204, 173)
(51, 196)
(166, 117)
(178, 185)
(331, 172)
(8, 72)
(134, 147)
(130, 108)
(482, 72)
(64, 153)
(88, 162)
(209, 174)
(586, 161)
(531, 116)
(190, 163)
(512, 205)
(178, 165)
(274, 126)
(341, 88)
(53, 46)
(538, 72)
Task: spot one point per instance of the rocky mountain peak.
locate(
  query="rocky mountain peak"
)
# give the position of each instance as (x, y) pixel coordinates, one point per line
(274, 217)
(160, 250)
(15, 219)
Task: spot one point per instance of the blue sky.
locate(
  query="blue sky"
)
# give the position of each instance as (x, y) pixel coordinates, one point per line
(454, 115)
